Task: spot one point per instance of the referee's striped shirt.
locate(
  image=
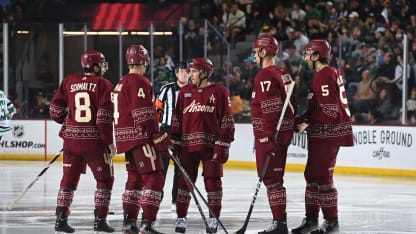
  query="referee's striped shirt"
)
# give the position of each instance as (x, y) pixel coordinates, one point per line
(168, 95)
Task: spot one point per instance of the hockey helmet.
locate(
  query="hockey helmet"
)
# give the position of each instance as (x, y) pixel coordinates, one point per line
(136, 55)
(91, 57)
(269, 43)
(202, 64)
(321, 47)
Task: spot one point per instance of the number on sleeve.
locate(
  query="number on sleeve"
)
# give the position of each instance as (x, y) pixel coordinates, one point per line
(82, 111)
(344, 100)
(116, 113)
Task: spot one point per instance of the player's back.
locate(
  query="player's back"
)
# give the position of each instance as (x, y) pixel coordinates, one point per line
(135, 115)
(333, 120)
(83, 93)
(85, 103)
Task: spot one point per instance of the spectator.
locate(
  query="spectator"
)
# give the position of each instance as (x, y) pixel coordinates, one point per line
(192, 41)
(385, 111)
(236, 23)
(249, 73)
(221, 18)
(365, 95)
(411, 108)
(41, 109)
(297, 13)
(163, 74)
(385, 75)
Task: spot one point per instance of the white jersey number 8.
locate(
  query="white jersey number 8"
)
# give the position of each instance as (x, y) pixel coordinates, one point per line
(82, 111)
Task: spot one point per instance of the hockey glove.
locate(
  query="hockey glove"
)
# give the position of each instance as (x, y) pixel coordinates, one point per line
(221, 152)
(175, 146)
(301, 123)
(269, 145)
(161, 142)
(111, 149)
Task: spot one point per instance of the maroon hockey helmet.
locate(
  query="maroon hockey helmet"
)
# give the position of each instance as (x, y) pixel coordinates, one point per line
(321, 47)
(136, 55)
(269, 43)
(91, 57)
(203, 64)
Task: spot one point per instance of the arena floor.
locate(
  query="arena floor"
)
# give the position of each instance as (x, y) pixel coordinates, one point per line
(366, 204)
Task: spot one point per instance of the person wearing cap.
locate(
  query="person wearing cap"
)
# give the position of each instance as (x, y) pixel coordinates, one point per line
(354, 20)
(248, 74)
(165, 105)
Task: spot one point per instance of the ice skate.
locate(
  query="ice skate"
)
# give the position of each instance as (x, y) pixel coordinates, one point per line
(129, 226)
(61, 223)
(213, 225)
(277, 227)
(148, 228)
(180, 225)
(328, 227)
(100, 224)
(307, 225)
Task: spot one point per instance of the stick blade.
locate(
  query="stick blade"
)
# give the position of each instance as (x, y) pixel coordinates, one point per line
(241, 231)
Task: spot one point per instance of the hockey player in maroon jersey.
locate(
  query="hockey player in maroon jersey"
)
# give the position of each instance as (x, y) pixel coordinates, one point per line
(202, 130)
(328, 127)
(83, 106)
(268, 96)
(136, 127)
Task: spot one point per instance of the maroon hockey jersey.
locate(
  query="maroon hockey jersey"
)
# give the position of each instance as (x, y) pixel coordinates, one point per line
(201, 117)
(83, 105)
(134, 113)
(268, 96)
(328, 114)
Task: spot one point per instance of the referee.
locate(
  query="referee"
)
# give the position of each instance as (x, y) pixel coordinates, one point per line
(165, 104)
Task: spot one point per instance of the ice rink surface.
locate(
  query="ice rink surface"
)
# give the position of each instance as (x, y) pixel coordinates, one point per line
(366, 204)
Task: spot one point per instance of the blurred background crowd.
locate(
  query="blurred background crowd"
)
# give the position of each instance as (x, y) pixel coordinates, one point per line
(366, 38)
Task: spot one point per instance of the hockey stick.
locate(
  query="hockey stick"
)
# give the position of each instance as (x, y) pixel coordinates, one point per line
(14, 202)
(243, 229)
(201, 211)
(189, 180)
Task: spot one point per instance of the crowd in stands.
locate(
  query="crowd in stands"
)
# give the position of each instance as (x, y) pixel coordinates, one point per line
(367, 46)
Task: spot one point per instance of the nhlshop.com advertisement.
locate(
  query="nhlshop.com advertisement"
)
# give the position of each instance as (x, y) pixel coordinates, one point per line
(26, 137)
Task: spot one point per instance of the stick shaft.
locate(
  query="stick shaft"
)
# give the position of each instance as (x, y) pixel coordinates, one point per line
(189, 180)
(14, 202)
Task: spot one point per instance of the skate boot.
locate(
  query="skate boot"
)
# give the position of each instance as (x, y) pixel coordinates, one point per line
(308, 224)
(61, 223)
(213, 225)
(129, 226)
(100, 224)
(277, 227)
(148, 228)
(328, 227)
(180, 225)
